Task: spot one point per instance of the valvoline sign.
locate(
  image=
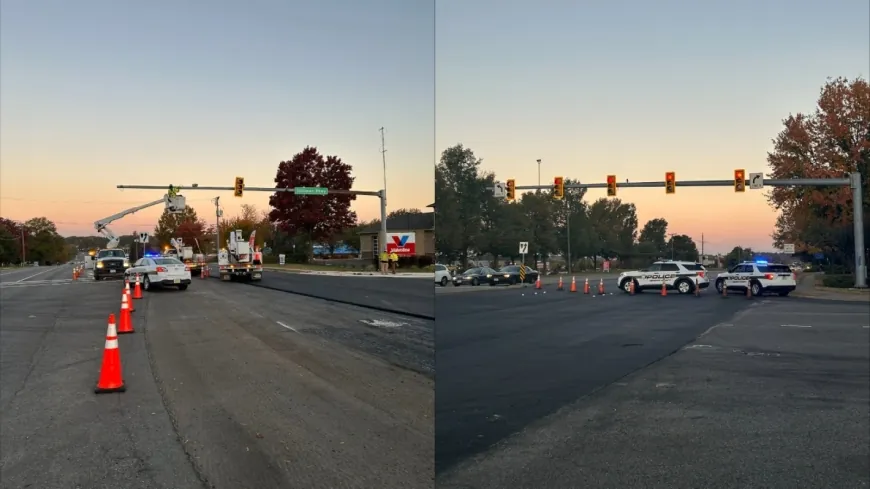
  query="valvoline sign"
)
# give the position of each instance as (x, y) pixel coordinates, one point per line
(402, 244)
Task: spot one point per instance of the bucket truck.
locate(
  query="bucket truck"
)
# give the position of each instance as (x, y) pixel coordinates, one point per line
(185, 254)
(109, 260)
(240, 259)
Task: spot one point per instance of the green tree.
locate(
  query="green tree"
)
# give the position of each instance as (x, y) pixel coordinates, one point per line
(459, 195)
(682, 247)
(737, 255)
(614, 224)
(168, 227)
(538, 210)
(655, 233)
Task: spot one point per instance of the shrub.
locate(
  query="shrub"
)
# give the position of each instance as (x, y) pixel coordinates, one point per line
(839, 281)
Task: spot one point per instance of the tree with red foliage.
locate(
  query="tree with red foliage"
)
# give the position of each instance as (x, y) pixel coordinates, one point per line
(318, 217)
(829, 143)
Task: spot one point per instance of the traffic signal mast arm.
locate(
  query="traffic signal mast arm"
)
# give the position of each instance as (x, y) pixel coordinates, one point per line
(248, 189)
(819, 182)
(101, 225)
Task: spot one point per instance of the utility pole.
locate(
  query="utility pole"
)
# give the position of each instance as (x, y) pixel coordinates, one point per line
(217, 225)
(672, 245)
(23, 247)
(702, 249)
(382, 241)
(539, 172)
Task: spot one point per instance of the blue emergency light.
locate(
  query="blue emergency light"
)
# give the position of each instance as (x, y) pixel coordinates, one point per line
(761, 262)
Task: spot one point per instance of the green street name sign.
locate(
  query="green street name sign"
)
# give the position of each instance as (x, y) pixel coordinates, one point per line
(311, 190)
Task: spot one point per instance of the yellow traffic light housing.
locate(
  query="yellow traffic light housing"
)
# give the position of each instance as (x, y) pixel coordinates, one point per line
(511, 189)
(240, 187)
(739, 181)
(559, 188)
(670, 183)
(611, 185)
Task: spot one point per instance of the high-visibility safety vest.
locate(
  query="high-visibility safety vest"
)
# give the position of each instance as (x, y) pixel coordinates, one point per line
(384, 256)
(394, 257)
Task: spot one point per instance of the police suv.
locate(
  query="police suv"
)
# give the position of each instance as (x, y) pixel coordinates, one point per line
(681, 276)
(760, 277)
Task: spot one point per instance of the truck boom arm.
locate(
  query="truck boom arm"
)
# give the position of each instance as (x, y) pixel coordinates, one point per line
(101, 225)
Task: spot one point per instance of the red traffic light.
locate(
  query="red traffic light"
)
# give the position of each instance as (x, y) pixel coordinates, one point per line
(611, 179)
(558, 181)
(738, 174)
(669, 176)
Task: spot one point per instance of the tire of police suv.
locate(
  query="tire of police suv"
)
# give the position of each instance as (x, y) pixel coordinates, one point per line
(444, 281)
(146, 283)
(684, 286)
(719, 285)
(626, 286)
(755, 288)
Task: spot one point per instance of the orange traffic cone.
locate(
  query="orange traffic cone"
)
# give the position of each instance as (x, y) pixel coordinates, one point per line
(75, 274)
(573, 284)
(137, 291)
(664, 289)
(631, 288)
(586, 287)
(538, 284)
(697, 287)
(110, 379)
(601, 287)
(749, 291)
(130, 300)
(126, 324)
(724, 289)
(560, 287)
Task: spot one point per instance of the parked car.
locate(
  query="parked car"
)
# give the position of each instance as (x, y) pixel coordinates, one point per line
(442, 275)
(510, 275)
(475, 276)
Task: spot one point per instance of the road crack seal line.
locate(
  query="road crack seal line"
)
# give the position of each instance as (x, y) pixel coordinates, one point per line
(163, 400)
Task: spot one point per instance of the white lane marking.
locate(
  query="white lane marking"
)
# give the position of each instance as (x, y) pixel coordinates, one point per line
(37, 274)
(291, 328)
(820, 313)
(866, 327)
(795, 326)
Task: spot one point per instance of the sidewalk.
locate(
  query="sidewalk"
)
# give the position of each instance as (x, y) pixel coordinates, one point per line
(808, 288)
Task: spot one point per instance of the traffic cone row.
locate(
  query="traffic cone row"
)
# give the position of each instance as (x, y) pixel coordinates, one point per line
(111, 378)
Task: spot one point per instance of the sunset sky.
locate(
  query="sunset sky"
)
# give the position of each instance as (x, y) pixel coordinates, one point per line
(99, 93)
(640, 88)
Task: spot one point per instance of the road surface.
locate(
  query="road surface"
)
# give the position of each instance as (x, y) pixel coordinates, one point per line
(565, 390)
(227, 387)
(408, 295)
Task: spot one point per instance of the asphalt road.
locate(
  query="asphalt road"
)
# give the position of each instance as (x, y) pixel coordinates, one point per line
(409, 295)
(228, 386)
(521, 398)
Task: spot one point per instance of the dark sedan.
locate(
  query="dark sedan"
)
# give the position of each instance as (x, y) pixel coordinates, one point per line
(475, 276)
(510, 275)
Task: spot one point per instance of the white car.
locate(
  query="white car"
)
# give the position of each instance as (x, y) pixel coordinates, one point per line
(759, 277)
(682, 276)
(160, 271)
(442, 275)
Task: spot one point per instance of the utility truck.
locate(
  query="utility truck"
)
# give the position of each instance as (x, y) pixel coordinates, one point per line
(194, 261)
(240, 260)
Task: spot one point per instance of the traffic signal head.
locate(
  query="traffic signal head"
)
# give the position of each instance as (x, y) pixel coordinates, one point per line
(670, 182)
(240, 187)
(511, 189)
(558, 187)
(611, 185)
(739, 181)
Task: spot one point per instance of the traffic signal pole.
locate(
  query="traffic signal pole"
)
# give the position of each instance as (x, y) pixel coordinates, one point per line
(381, 194)
(852, 180)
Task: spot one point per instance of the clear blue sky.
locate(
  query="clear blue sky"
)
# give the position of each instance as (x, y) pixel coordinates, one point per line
(100, 93)
(638, 88)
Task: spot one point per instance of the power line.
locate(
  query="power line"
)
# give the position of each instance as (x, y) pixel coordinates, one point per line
(22, 199)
